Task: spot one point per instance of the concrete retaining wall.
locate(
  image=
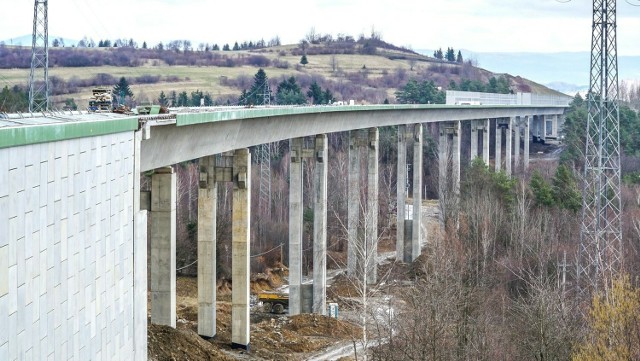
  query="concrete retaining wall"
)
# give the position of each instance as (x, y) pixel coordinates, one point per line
(66, 250)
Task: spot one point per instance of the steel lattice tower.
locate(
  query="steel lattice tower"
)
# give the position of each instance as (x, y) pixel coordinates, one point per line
(601, 233)
(39, 75)
(264, 159)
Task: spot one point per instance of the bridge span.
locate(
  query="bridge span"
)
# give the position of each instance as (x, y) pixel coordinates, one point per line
(73, 231)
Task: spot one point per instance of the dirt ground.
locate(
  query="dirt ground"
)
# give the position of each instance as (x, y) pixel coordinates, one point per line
(273, 337)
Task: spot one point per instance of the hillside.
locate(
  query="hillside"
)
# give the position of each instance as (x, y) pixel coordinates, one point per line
(367, 70)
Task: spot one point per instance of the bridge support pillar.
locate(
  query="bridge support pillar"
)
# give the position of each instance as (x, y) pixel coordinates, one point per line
(449, 163)
(509, 147)
(525, 162)
(354, 248)
(498, 147)
(516, 140)
(240, 233)
(371, 237)
(207, 204)
(401, 191)
(474, 140)
(163, 247)
(320, 226)
(295, 226)
(485, 142)
(416, 233)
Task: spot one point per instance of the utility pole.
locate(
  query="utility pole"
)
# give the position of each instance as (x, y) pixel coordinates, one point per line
(601, 233)
(39, 75)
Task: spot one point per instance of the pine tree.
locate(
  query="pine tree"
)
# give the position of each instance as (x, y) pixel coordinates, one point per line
(289, 92)
(122, 90)
(162, 99)
(315, 93)
(459, 58)
(236, 46)
(303, 60)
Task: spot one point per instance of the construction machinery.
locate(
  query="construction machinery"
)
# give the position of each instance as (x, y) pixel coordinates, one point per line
(274, 302)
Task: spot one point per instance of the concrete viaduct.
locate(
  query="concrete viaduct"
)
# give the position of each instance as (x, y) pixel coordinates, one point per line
(73, 232)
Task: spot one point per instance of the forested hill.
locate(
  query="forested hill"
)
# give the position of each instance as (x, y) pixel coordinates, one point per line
(367, 70)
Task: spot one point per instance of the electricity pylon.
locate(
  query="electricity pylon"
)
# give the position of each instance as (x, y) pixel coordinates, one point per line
(39, 75)
(601, 233)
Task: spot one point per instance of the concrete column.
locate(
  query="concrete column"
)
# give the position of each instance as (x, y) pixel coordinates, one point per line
(401, 190)
(163, 247)
(372, 207)
(516, 133)
(554, 126)
(443, 163)
(455, 157)
(485, 142)
(498, 146)
(207, 203)
(353, 203)
(295, 225)
(526, 142)
(240, 233)
(417, 192)
(474, 140)
(320, 226)
(509, 147)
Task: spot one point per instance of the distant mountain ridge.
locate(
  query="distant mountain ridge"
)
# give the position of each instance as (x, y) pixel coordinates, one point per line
(567, 72)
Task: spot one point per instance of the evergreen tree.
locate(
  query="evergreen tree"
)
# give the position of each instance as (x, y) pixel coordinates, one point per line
(303, 60)
(327, 97)
(256, 95)
(122, 90)
(289, 92)
(236, 46)
(215, 47)
(183, 99)
(451, 55)
(565, 189)
(459, 58)
(162, 99)
(541, 189)
(144, 45)
(225, 47)
(315, 93)
(425, 92)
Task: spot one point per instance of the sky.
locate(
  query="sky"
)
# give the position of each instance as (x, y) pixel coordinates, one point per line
(478, 25)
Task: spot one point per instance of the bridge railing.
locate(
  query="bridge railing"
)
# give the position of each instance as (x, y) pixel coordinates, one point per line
(456, 97)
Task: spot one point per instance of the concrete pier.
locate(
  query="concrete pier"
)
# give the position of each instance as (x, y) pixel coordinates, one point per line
(371, 238)
(509, 147)
(401, 189)
(516, 149)
(207, 204)
(455, 157)
(498, 147)
(474, 140)
(485, 141)
(526, 142)
(354, 205)
(163, 247)
(416, 234)
(320, 226)
(240, 235)
(295, 225)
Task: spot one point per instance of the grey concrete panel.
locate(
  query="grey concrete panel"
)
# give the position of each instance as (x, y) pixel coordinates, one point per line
(207, 208)
(50, 306)
(416, 233)
(371, 223)
(354, 247)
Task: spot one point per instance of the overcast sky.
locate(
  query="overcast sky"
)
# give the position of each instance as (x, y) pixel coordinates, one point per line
(478, 25)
